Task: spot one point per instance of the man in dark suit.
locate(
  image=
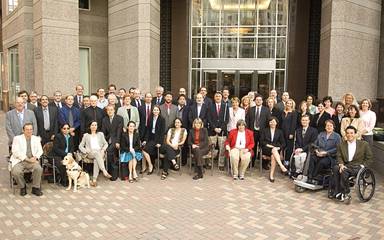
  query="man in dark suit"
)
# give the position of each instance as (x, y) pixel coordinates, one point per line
(182, 113)
(284, 99)
(257, 119)
(182, 91)
(351, 155)
(71, 115)
(112, 127)
(92, 113)
(218, 120)
(159, 98)
(199, 110)
(305, 136)
(136, 101)
(145, 112)
(33, 99)
(57, 101)
(203, 91)
(47, 120)
(79, 97)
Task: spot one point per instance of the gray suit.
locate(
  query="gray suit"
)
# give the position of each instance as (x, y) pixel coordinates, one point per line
(169, 118)
(13, 126)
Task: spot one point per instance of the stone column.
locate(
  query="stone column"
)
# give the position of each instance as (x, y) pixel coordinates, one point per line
(349, 48)
(134, 37)
(56, 45)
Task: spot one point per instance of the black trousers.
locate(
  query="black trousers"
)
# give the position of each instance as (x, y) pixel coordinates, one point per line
(169, 154)
(341, 179)
(62, 171)
(113, 164)
(289, 149)
(317, 164)
(256, 137)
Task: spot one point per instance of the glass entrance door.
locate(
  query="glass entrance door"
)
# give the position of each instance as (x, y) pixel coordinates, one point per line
(238, 82)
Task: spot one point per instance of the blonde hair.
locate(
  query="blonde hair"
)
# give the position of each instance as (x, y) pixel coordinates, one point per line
(235, 99)
(293, 104)
(244, 98)
(198, 120)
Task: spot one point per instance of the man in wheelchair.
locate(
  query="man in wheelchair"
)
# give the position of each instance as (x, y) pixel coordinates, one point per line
(352, 155)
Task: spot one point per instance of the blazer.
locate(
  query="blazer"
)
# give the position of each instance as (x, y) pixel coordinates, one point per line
(169, 118)
(53, 122)
(277, 114)
(319, 122)
(363, 154)
(76, 102)
(277, 141)
(218, 120)
(13, 126)
(250, 118)
(125, 144)
(329, 145)
(143, 118)
(204, 114)
(133, 102)
(203, 138)
(288, 123)
(356, 122)
(249, 141)
(309, 138)
(122, 111)
(85, 145)
(154, 100)
(30, 106)
(299, 116)
(53, 104)
(112, 131)
(60, 144)
(183, 114)
(158, 136)
(337, 122)
(64, 113)
(91, 114)
(19, 149)
(240, 114)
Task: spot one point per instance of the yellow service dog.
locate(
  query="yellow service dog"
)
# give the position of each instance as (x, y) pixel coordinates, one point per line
(75, 173)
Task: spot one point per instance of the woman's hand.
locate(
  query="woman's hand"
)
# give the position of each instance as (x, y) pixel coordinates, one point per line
(158, 145)
(195, 146)
(290, 136)
(175, 146)
(228, 148)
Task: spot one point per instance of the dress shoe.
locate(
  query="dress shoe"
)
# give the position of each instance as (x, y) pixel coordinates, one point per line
(37, 192)
(271, 179)
(197, 177)
(241, 178)
(150, 172)
(23, 191)
(266, 167)
(143, 171)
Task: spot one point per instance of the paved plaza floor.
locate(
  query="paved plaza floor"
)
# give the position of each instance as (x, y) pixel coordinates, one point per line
(215, 207)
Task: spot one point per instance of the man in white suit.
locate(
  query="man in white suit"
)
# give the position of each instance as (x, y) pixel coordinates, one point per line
(26, 151)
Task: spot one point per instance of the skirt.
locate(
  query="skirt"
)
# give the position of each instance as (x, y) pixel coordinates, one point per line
(127, 156)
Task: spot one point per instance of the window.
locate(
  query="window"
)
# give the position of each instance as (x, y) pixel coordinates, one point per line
(85, 66)
(84, 4)
(12, 5)
(13, 67)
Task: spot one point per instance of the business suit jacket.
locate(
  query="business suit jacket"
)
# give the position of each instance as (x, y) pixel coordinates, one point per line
(53, 104)
(64, 114)
(328, 144)
(125, 144)
(154, 100)
(249, 140)
(188, 101)
(363, 154)
(169, 118)
(76, 101)
(158, 136)
(355, 122)
(288, 124)
(337, 122)
(218, 120)
(183, 114)
(203, 139)
(85, 145)
(133, 103)
(112, 131)
(13, 126)
(319, 122)
(250, 118)
(204, 114)
(91, 114)
(309, 138)
(31, 106)
(53, 122)
(143, 119)
(19, 148)
(60, 144)
(277, 141)
(122, 111)
(277, 114)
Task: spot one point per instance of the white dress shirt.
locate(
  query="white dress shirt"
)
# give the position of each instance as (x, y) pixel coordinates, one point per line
(351, 150)
(240, 140)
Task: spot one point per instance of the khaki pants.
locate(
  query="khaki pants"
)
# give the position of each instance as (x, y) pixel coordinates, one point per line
(19, 169)
(217, 139)
(239, 161)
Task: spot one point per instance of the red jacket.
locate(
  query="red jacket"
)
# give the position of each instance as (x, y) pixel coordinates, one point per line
(249, 141)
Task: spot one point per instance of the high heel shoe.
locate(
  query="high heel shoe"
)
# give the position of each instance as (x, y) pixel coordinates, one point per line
(150, 172)
(271, 179)
(107, 175)
(143, 171)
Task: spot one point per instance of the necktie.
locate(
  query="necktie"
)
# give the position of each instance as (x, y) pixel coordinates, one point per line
(110, 120)
(158, 101)
(147, 115)
(70, 117)
(46, 119)
(304, 131)
(218, 109)
(80, 100)
(257, 117)
(21, 119)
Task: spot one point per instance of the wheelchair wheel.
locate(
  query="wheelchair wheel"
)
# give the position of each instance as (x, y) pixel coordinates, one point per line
(365, 184)
(299, 189)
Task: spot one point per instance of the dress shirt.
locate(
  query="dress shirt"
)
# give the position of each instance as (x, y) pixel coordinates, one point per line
(21, 117)
(240, 140)
(102, 103)
(95, 143)
(46, 118)
(199, 109)
(351, 150)
(272, 134)
(369, 120)
(154, 125)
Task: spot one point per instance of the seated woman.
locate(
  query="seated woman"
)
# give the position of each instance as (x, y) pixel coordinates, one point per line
(176, 137)
(62, 145)
(352, 119)
(324, 156)
(240, 145)
(154, 137)
(198, 140)
(130, 151)
(272, 142)
(94, 146)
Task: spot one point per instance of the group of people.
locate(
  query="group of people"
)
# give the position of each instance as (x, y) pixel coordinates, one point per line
(126, 128)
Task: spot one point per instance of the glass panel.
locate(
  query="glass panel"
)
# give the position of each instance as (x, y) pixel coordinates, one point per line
(228, 47)
(282, 16)
(247, 31)
(247, 47)
(230, 12)
(196, 47)
(266, 48)
(280, 48)
(264, 82)
(84, 69)
(195, 63)
(195, 78)
(282, 31)
(210, 48)
(211, 17)
(228, 79)
(12, 5)
(245, 83)
(84, 4)
(210, 81)
(280, 64)
(196, 31)
(13, 73)
(210, 31)
(279, 83)
(267, 16)
(229, 31)
(266, 31)
(247, 12)
(196, 12)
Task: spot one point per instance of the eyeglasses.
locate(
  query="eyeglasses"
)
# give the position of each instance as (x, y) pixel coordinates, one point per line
(65, 128)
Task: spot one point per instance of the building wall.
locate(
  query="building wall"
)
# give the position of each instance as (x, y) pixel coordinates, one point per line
(93, 26)
(349, 48)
